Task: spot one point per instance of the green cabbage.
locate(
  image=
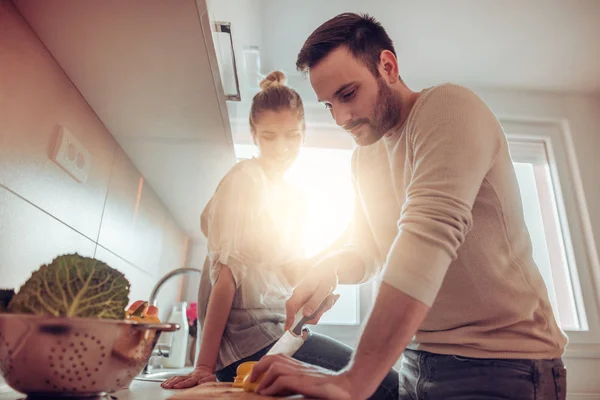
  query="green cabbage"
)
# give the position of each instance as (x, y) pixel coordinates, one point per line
(73, 286)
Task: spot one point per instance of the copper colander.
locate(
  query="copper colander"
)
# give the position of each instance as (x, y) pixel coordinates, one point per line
(74, 357)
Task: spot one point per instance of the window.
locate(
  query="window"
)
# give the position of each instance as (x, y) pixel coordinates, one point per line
(552, 249)
(555, 215)
(560, 227)
(325, 176)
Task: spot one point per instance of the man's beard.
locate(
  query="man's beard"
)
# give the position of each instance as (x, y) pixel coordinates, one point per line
(386, 115)
(387, 110)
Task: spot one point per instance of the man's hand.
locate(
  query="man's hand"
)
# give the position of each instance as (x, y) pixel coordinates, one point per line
(283, 375)
(316, 287)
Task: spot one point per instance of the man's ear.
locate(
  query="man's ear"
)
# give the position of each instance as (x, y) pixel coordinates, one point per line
(388, 66)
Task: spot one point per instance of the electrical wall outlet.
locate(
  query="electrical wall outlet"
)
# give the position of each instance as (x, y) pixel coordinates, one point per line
(71, 156)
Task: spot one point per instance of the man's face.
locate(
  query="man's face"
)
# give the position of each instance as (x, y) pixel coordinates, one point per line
(362, 104)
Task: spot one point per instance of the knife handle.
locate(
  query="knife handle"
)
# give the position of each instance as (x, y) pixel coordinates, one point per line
(300, 319)
(297, 319)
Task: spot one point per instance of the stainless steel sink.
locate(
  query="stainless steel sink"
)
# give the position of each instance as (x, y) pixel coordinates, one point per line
(160, 375)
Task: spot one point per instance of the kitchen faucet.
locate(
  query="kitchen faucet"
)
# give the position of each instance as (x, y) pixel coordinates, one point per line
(154, 293)
(164, 349)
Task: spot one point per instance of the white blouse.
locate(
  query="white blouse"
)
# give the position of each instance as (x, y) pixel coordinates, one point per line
(255, 227)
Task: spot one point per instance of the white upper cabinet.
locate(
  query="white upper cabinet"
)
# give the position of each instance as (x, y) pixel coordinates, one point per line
(149, 70)
(147, 67)
(237, 34)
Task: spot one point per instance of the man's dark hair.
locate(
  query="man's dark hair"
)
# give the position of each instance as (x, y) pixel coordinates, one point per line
(361, 34)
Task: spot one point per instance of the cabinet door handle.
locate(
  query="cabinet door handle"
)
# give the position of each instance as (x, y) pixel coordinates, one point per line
(225, 27)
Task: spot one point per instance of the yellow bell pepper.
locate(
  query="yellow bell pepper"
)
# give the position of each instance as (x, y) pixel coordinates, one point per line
(250, 387)
(140, 311)
(242, 371)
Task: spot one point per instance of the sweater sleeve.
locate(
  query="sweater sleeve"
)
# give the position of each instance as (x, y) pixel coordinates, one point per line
(452, 143)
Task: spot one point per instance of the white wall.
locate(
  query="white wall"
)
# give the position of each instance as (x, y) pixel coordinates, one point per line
(195, 259)
(114, 216)
(518, 44)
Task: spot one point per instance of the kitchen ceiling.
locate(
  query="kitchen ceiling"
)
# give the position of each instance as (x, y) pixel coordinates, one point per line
(548, 45)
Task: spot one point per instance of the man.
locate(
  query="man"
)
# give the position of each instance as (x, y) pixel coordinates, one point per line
(439, 213)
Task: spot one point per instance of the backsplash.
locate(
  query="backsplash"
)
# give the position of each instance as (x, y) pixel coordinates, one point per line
(114, 216)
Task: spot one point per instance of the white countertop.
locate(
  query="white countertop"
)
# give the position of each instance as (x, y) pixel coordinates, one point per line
(139, 390)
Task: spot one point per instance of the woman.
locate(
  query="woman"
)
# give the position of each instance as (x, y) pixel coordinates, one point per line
(255, 252)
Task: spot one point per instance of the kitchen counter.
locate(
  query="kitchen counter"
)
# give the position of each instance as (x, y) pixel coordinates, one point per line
(148, 390)
(139, 390)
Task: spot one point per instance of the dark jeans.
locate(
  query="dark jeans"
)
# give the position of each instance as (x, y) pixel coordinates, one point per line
(325, 352)
(433, 376)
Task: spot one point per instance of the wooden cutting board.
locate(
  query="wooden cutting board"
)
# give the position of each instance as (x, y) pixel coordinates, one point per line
(221, 391)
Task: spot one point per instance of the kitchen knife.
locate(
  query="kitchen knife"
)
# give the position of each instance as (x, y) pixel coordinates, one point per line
(292, 339)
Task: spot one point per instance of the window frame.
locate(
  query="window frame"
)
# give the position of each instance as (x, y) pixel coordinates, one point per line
(537, 154)
(574, 222)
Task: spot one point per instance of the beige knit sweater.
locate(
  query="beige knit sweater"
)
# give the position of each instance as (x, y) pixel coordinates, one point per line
(439, 209)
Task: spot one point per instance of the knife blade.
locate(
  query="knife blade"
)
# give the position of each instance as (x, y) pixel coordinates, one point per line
(287, 344)
(292, 340)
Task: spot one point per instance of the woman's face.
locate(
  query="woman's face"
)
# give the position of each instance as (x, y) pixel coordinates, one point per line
(278, 135)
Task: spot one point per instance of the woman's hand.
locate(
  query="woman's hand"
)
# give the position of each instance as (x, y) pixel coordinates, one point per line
(200, 375)
(217, 312)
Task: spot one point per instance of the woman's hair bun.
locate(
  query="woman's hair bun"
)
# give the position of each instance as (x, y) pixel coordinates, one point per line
(273, 79)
